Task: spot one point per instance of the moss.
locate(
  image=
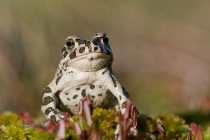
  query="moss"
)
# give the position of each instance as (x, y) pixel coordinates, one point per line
(104, 123)
(9, 118)
(21, 132)
(175, 127)
(206, 134)
(12, 128)
(70, 135)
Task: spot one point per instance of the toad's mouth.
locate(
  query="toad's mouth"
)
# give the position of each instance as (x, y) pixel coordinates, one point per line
(91, 56)
(91, 62)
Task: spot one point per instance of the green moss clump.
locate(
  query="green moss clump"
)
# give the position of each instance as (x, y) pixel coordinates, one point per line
(105, 121)
(19, 132)
(175, 127)
(206, 134)
(12, 128)
(71, 135)
(9, 118)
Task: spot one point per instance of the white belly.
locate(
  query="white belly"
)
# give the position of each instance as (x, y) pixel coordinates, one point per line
(99, 95)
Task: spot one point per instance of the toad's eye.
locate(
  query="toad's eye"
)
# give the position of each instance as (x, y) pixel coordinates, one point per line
(70, 43)
(106, 41)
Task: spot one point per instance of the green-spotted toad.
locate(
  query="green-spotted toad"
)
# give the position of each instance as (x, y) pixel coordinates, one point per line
(85, 68)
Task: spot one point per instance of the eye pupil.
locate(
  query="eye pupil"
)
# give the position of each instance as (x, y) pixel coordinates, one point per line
(70, 43)
(106, 40)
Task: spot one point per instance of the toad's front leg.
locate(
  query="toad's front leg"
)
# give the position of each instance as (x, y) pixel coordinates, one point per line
(49, 103)
(117, 90)
(122, 96)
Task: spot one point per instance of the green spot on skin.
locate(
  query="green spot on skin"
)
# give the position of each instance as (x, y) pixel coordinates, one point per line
(53, 117)
(78, 88)
(125, 93)
(47, 90)
(87, 43)
(75, 96)
(58, 79)
(48, 110)
(92, 86)
(83, 93)
(65, 54)
(47, 100)
(100, 94)
(80, 41)
(123, 105)
(114, 81)
(82, 49)
(72, 55)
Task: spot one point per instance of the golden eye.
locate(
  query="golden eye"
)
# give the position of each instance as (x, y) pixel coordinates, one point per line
(70, 43)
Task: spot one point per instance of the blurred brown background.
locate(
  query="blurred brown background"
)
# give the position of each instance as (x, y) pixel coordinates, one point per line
(161, 49)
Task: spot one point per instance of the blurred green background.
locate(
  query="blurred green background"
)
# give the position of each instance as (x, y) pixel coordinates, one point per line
(161, 49)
